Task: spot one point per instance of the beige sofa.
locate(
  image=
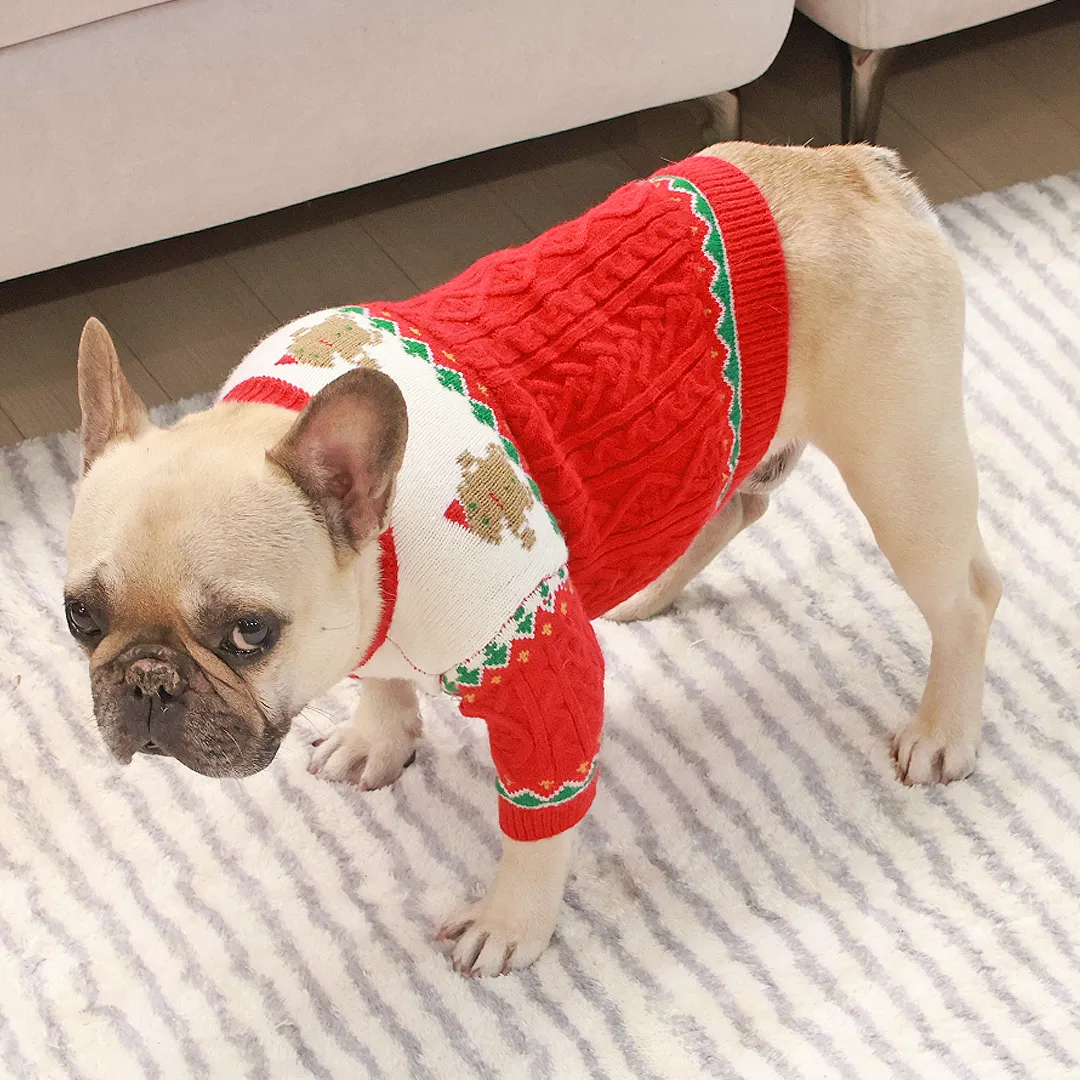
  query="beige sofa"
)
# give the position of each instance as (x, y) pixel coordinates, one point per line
(873, 30)
(126, 122)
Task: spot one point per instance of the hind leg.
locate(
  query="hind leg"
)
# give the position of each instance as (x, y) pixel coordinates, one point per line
(918, 489)
(740, 511)
(940, 743)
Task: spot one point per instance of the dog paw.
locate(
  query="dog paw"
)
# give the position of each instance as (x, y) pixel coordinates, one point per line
(924, 755)
(481, 939)
(348, 757)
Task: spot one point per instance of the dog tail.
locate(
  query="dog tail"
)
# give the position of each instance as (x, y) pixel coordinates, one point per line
(906, 186)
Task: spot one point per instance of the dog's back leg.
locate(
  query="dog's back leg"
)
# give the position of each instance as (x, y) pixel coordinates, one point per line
(741, 510)
(921, 504)
(910, 469)
(874, 380)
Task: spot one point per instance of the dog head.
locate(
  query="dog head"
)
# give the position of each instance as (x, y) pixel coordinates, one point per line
(223, 572)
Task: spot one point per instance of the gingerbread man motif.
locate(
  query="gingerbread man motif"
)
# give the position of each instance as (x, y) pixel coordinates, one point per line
(491, 497)
(338, 336)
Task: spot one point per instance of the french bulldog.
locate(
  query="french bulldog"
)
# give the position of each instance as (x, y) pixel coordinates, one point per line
(365, 499)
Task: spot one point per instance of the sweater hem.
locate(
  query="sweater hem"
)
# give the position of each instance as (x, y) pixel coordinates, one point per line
(759, 289)
(539, 823)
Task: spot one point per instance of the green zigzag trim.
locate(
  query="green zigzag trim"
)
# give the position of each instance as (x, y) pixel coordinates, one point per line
(726, 330)
(520, 626)
(452, 379)
(527, 799)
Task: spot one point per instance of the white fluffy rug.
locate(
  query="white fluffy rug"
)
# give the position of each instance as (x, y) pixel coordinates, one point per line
(755, 895)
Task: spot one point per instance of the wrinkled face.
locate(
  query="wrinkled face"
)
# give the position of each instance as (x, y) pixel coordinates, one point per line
(208, 593)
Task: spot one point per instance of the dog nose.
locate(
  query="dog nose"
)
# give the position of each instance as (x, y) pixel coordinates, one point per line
(149, 676)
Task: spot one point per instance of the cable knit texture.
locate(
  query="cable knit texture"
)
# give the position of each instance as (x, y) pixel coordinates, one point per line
(598, 344)
(543, 701)
(628, 370)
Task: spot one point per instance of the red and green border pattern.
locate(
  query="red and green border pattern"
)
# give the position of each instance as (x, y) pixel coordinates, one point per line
(513, 645)
(725, 329)
(527, 799)
(453, 380)
(521, 626)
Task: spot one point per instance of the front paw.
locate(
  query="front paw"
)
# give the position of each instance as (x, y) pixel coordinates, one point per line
(348, 757)
(485, 939)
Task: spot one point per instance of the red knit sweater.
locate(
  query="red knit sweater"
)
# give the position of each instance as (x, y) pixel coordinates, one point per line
(636, 360)
(637, 357)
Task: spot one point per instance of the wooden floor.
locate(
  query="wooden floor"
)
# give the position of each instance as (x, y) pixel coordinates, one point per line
(971, 112)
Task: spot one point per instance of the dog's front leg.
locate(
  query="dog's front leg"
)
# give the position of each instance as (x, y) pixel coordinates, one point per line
(540, 688)
(373, 749)
(512, 924)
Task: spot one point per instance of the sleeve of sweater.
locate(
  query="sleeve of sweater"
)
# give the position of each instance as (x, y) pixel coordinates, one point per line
(540, 688)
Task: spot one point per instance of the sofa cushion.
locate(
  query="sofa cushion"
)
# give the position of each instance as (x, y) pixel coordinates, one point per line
(882, 24)
(22, 22)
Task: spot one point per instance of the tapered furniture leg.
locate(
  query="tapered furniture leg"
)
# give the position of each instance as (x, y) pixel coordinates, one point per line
(863, 74)
(723, 119)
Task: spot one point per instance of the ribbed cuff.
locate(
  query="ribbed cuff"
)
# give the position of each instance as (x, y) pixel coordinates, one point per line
(758, 275)
(539, 823)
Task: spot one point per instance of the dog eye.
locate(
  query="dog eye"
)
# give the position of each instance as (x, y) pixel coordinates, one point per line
(248, 636)
(80, 622)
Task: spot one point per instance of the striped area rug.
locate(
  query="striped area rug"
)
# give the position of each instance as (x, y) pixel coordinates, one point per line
(755, 895)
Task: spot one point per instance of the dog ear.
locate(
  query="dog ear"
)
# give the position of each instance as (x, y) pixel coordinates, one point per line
(344, 452)
(110, 408)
